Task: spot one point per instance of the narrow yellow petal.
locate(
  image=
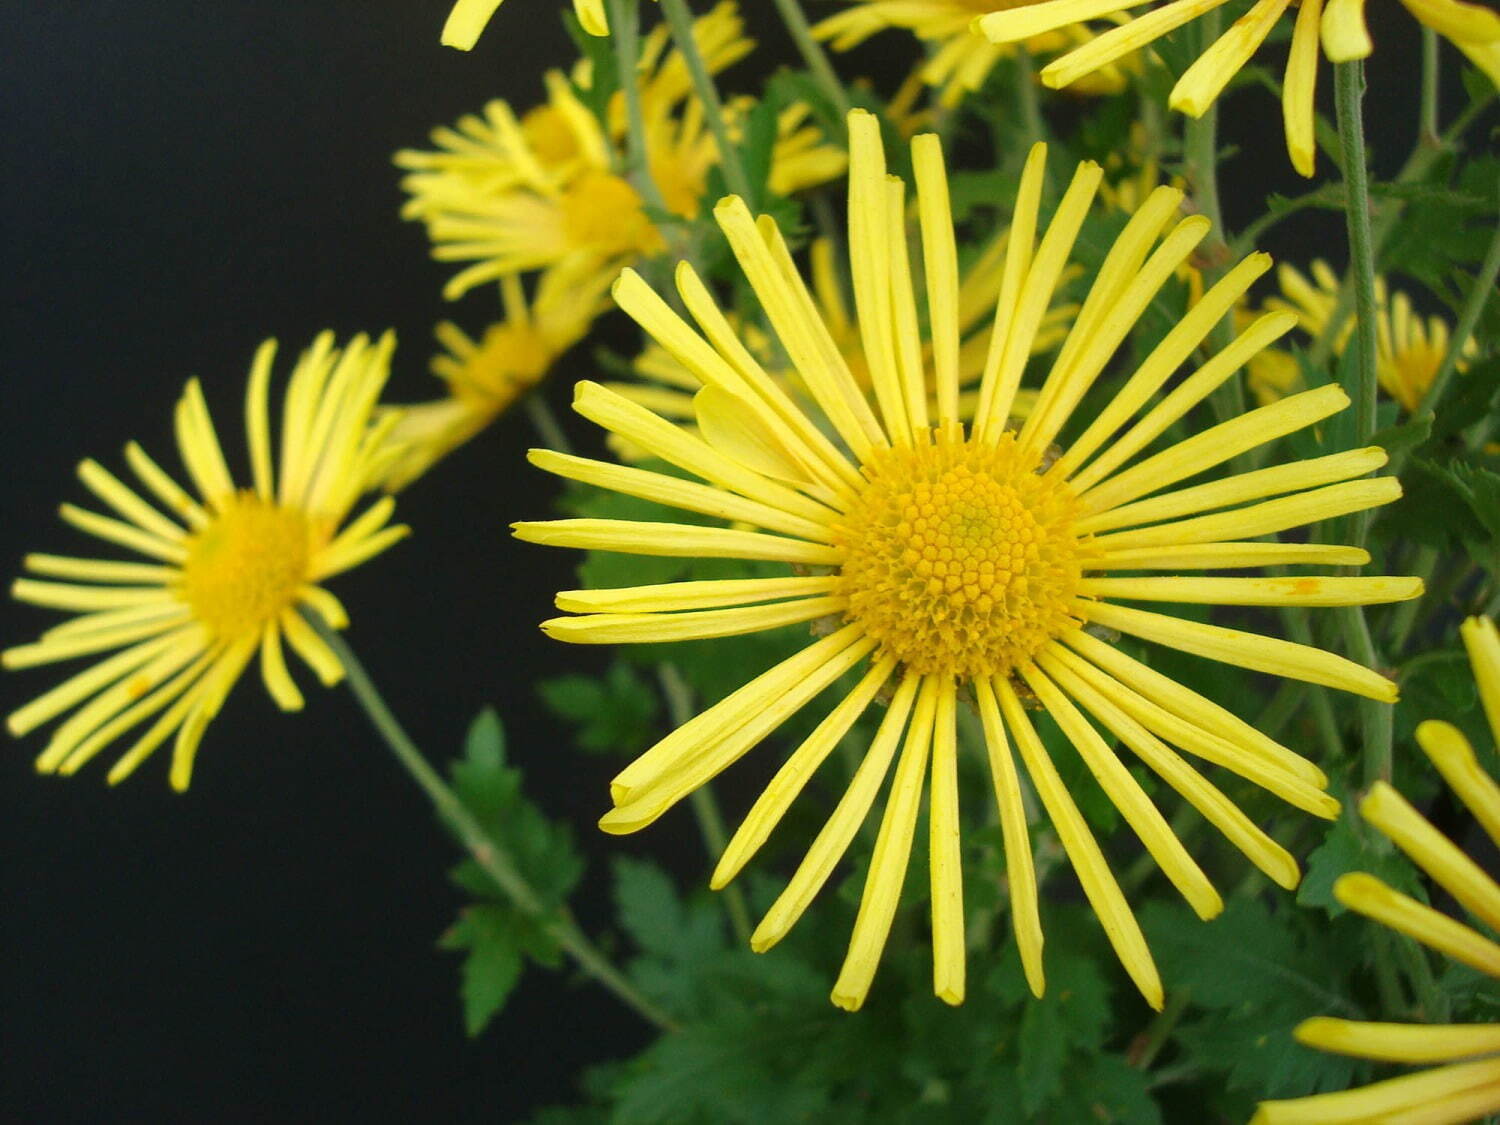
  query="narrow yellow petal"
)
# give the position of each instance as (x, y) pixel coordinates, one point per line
(1083, 852)
(904, 326)
(1464, 23)
(273, 670)
(98, 570)
(869, 270)
(1433, 852)
(940, 259)
(1482, 643)
(848, 815)
(314, 652)
(1454, 757)
(794, 774)
(199, 445)
(730, 424)
(85, 684)
(1311, 591)
(1020, 871)
(258, 419)
(1399, 1042)
(1126, 794)
(1013, 25)
(649, 628)
(668, 597)
(1345, 36)
(66, 595)
(637, 537)
(1404, 914)
(1202, 82)
(124, 534)
(1220, 556)
(84, 642)
(882, 893)
(168, 491)
(467, 19)
(105, 485)
(593, 18)
(1299, 87)
(945, 854)
(325, 605)
(1403, 1099)
(1247, 650)
(1132, 35)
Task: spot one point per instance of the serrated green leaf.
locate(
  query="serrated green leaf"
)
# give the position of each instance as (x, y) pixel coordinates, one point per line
(1347, 848)
(1401, 439)
(1071, 1016)
(493, 964)
(1105, 1088)
(614, 713)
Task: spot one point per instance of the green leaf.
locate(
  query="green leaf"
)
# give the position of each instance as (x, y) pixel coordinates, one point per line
(1072, 1015)
(1105, 1088)
(615, 713)
(1346, 848)
(1403, 438)
(676, 938)
(493, 964)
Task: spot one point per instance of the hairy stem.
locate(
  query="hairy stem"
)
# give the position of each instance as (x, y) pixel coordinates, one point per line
(485, 850)
(813, 55)
(680, 20)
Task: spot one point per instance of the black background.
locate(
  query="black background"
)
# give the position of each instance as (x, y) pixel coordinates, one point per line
(180, 180)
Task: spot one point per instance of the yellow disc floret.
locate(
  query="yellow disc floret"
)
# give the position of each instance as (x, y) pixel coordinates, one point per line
(246, 565)
(960, 557)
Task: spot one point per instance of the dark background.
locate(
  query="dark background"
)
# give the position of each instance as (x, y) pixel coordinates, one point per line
(180, 180)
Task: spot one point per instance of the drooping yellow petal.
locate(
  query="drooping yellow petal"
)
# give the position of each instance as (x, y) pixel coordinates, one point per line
(1399, 1042)
(1482, 643)
(1404, 914)
(1403, 1099)
(1345, 36)
(467, 19)
(1201, 84)
(1454, 757)
(1299, 87)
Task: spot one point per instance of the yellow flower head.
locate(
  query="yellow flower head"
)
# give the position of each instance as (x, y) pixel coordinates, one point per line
(469, 18)
(1408, 350)
(1467, 1086)
(961, 60)
(232, 572)
(486, 376)
(942, 559)
(1340, 25)
(512, 196)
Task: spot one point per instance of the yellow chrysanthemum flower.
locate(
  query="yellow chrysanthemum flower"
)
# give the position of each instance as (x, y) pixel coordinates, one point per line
(1340, 25)
(543, 193)
(232, 570)
(1468, 1086)
(1408, 350)
(942, 559)
(668, 387)
(468, 19)
(485, 377)
(961, 60)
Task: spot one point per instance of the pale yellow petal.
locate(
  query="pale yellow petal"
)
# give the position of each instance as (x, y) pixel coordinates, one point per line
(1399, 1042)
(1454, 757)
(1404, 914)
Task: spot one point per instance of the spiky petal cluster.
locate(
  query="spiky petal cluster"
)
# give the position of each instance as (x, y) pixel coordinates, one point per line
(1340, 25)
(859, 494)
(1466, 1086)
(232, 570)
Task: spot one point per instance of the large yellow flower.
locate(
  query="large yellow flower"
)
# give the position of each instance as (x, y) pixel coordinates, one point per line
(1408, 349)
(1340, 25)
(469, 18)
(983, 561)
(961, 60)
(485, 377)
(232, 571)
(1467, 1086)
(545, 192)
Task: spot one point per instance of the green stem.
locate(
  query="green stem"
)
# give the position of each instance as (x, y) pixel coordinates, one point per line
(485, 850)
(1375, 718)
(1404, 618)
(1349, 87)
(545, 422)
(1324, 720)
(680, 20)
(1030, 103)
(1427, 126)
(813, 55)
(1155, 1037)
(705, 808)
(625, 34)
(1468, 320)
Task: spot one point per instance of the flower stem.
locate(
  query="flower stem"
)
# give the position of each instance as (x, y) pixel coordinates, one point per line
(486, 851)
(625, 34)
(705, 808)
(680, 20)
(1468, 320)
(1154, 1038)
(813, 55)
(545, 422)
(1427, 122)
(1349, 85)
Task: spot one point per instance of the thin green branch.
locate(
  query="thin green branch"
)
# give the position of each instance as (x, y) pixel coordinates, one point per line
(1427, 121)
(545, 422)
(813, 55)
(705, 808)
(1155, 1037)
(485, 850)
(680, 20)
(1468, 321)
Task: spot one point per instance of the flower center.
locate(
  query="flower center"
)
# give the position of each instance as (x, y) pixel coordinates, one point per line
(602, 213)
(246, 565)
(960, 559)
(511, 357)
(551, 138)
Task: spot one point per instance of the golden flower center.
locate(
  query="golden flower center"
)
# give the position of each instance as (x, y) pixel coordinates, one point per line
(512, 356)
(246, 565)
(959, 557)
(550, 136)
(602, 213)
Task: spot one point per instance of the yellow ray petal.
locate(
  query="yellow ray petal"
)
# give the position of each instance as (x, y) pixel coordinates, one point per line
(649, 628)
(668, 597)
(1404, 914)
(1454, 757)
(1202, 82)
(940, 259)
(1399, 1042)
(1311, 591)
(467, 19)
(1395, 1099)
(1482, 643)
(637, 537)
(945, 855)
(1298, 105)
(1219, 556)
(1345, 36)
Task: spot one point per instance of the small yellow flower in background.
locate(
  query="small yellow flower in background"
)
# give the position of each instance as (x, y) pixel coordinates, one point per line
(231, 570)
(469, 18)
(1340, 24)
(542, 193)
(1408, 350)
(485, 377)
(941, 559)
(961, 60)
(1468, 1086)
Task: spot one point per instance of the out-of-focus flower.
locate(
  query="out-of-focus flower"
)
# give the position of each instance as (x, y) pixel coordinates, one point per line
(1466, 1086)
(231, 571)
(486, 376)
(469, 18)
(938, 557)
(1340, 24)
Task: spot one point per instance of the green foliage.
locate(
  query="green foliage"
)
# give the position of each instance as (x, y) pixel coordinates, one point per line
(615, 713)
(496, 937)
(1349, 846)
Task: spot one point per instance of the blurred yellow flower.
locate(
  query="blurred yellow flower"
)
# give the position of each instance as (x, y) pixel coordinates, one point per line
(1340, 24)
(469, 18)
(232, 571)
(485, 377)
(1467, 1086)
(939, 558)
